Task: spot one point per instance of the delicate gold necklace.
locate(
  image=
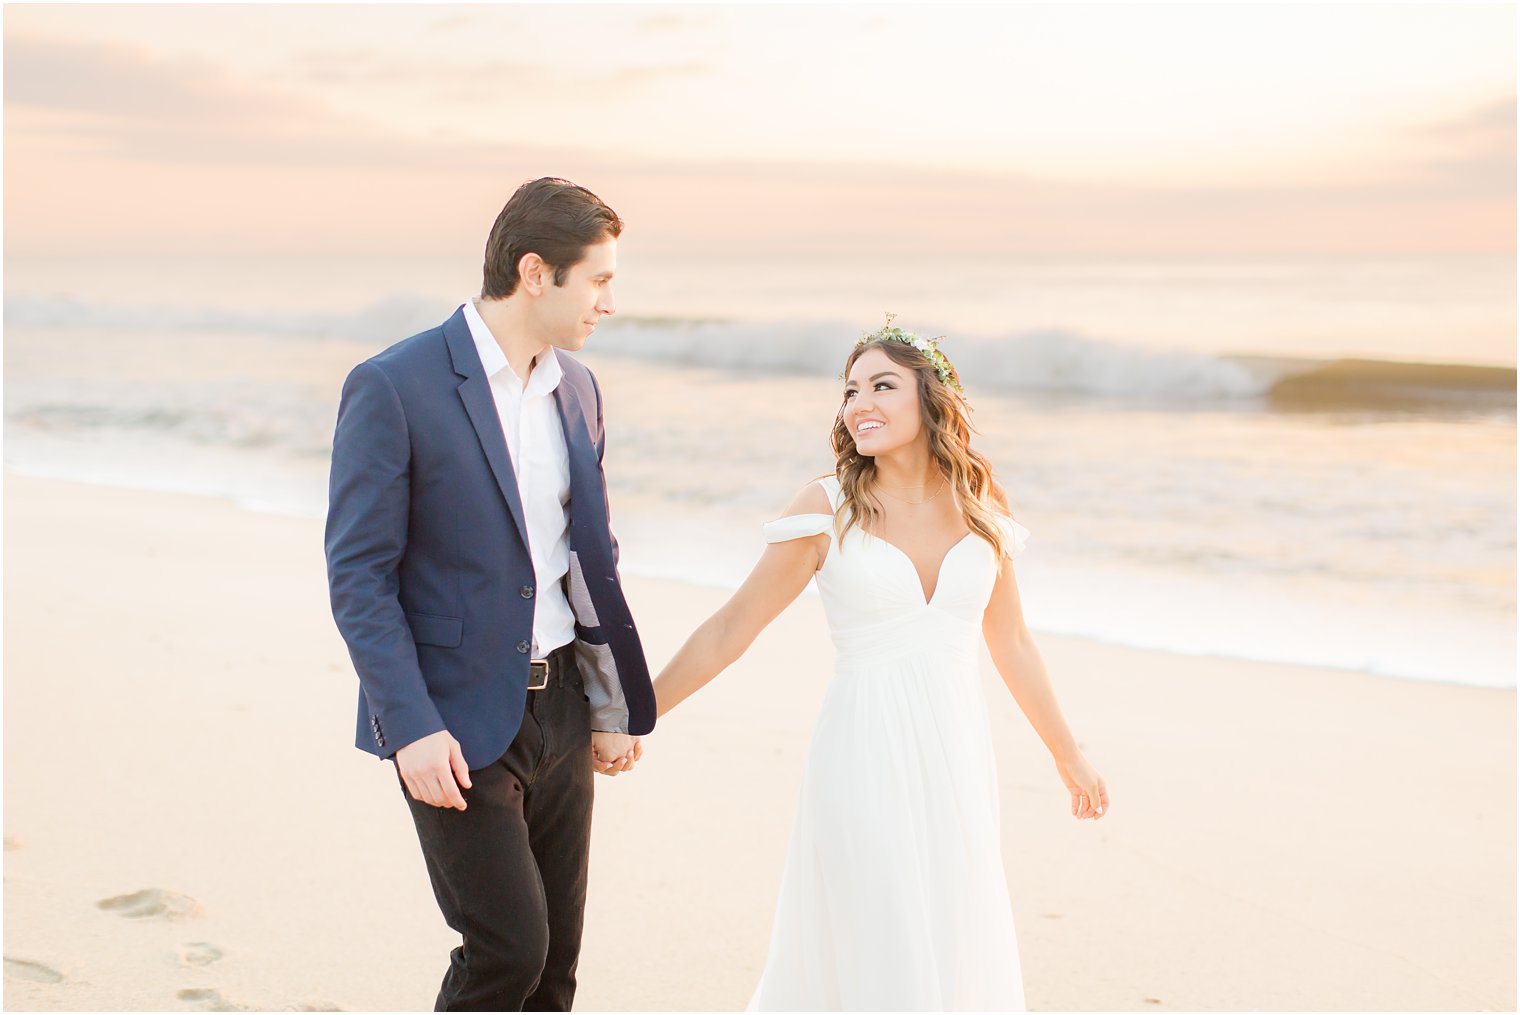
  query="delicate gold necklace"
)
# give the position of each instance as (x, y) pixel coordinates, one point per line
(883, 488)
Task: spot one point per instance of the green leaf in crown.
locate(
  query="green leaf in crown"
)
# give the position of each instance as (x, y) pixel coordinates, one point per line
(890, 332)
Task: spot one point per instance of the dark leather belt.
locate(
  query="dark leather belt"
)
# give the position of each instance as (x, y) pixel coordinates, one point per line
(539, 670)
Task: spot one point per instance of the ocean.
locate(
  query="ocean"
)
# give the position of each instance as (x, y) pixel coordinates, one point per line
(1307, 460)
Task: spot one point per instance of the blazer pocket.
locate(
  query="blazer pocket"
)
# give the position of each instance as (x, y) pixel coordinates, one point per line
(590, 635)
(429, 629)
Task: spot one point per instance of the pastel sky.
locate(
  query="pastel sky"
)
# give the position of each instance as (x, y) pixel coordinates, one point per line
(1072, 129)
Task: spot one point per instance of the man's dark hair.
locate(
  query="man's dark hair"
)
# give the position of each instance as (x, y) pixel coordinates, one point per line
(552, 218)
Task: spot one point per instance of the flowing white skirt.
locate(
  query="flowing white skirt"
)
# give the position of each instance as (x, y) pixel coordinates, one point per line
(894, 896)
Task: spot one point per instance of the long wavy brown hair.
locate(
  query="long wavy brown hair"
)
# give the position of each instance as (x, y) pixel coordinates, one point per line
(947, 420)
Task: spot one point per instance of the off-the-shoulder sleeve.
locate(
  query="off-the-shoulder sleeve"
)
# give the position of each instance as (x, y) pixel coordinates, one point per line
(1018, 536)
(797, 526)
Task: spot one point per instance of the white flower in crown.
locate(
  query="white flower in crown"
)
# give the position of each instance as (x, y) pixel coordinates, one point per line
(929, 347)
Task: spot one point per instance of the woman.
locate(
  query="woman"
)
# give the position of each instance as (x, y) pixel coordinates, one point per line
(894, 895)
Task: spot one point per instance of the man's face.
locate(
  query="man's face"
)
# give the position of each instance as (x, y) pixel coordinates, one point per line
(569, 313)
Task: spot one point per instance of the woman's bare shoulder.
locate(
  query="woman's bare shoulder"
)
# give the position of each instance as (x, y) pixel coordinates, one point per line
(810, 500)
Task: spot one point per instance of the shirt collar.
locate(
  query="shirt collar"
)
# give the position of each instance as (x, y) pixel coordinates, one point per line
(546, 373)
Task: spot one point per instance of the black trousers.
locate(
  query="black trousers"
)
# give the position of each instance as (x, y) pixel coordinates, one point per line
(509, 871)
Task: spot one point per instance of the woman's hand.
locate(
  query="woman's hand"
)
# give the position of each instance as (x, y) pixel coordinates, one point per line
(1089, 795)
(612, 753)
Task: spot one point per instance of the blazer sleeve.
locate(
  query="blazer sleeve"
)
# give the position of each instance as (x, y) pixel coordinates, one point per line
(369, 500)
(601, 449)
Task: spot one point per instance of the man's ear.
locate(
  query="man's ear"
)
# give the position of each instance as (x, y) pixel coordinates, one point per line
(533, 273)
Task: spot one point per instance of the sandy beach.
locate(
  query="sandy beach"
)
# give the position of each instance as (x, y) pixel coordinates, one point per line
(178, 715)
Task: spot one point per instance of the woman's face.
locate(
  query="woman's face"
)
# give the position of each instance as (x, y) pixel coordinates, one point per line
(881, 407)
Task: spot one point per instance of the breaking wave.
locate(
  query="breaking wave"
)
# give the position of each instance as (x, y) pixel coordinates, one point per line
(1049, 361)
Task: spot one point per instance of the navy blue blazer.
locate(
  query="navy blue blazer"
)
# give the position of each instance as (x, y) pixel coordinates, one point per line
(427, 553)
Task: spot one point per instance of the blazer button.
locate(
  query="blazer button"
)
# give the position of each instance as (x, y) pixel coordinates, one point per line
(526, 591)
(523, 647)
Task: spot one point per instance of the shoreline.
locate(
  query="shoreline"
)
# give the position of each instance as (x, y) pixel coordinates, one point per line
(284, 504)
(178, 722)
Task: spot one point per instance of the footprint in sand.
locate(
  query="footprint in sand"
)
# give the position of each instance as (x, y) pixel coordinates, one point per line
(207, 999)
(159, 903)
(198, 953)
(21, 969)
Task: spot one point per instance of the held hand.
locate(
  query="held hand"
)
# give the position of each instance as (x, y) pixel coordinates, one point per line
(433, 769)
(612, 753)
(1089, 794)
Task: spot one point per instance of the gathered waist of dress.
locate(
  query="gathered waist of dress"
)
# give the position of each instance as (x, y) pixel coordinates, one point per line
(894, 641)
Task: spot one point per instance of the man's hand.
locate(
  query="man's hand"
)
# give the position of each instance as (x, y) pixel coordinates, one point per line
(429, 768)
(612, 753)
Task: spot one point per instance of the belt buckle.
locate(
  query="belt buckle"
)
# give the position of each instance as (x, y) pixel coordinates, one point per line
(538, 669)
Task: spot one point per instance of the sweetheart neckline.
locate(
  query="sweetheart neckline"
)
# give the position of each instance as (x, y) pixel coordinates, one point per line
(939, 572)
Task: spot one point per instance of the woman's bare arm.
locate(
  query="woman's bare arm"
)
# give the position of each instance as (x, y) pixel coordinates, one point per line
(1022, 668)
(778, 578)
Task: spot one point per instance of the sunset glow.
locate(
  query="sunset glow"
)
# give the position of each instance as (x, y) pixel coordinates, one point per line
(1076, 129)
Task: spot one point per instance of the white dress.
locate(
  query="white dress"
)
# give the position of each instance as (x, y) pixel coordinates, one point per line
(894, 896)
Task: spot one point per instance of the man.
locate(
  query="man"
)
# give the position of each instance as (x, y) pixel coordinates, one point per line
(473, 575)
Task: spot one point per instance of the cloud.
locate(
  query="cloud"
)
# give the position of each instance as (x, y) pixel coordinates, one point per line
(1492, 122)
(79, 111)
(671, 21)
(482, 82)
(126, 103)
(453, 21)
(633, 76)
(127, 83)
(1474, 152)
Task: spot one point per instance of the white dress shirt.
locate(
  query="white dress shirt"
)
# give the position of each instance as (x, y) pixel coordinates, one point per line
(536, 442)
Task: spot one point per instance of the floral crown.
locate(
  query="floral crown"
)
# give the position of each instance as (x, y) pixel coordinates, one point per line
(928, 346)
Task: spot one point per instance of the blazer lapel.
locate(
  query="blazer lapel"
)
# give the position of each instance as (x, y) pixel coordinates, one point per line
(475, 392)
